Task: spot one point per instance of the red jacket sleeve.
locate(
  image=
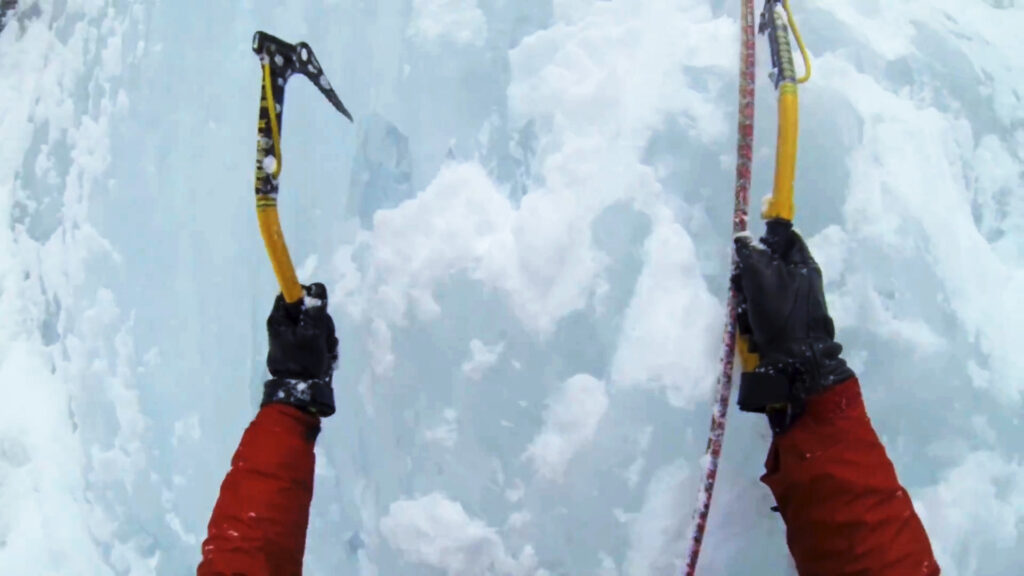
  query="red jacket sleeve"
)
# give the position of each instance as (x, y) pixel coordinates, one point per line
(846, 513)
(258, 527)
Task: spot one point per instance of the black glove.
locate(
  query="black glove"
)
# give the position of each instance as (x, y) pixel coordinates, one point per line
(303, 351)
(782, 309)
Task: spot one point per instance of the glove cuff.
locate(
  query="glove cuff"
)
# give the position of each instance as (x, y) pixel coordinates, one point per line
(312, 396)
(782, 385)
(822, 369)
(763, 389)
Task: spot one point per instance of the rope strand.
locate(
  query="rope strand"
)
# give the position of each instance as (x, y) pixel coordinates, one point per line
(723, 388)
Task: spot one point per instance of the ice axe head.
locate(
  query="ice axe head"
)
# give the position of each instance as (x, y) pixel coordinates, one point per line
(280, 61)
(286, 59)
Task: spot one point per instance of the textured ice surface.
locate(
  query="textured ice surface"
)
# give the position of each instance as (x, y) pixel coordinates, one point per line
(526, 237)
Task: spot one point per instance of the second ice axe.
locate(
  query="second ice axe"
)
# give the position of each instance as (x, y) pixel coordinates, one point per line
(280, 61)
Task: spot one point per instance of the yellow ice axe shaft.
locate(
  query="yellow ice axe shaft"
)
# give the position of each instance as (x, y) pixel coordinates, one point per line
(781, 205)
(277, 250)
(268, 167)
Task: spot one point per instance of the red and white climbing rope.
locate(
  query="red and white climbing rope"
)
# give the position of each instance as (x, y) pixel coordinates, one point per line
(723, 389)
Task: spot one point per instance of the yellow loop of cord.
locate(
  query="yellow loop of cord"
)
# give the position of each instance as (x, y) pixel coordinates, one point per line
(799, 42)
(272, 110)
(266, 209)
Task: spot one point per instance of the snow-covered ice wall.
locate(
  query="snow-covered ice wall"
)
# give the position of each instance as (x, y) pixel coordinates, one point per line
(526, 239)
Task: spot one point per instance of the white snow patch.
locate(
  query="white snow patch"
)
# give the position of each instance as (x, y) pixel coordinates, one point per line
(460, 22)
(570, 422)
(980, 378)
(895, 187)
(463, 224)
(573, 81)
(175, 524)
(460, 223)
(446, 433)
(983, 429)
(269, 164)
(517, 520)
(307, 269)
(382, 358)
(71, 425)
(346, 291)
(481, 358)
(974, 515)
(658, 534)
(669, 336)
(876, 27)
(436, 531)
(516, 492)
(43, 487)
(608, 567)
(830, 248)
(635, 469)
(186, 429)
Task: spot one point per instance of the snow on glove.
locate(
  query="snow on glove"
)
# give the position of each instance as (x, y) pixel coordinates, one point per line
(782, 309)
(303, 351)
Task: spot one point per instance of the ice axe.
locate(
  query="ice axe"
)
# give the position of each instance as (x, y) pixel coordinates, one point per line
(777, 23)
(280, 61)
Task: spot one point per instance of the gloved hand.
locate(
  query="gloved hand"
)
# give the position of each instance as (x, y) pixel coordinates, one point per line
(782, 309)
(303, 351)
